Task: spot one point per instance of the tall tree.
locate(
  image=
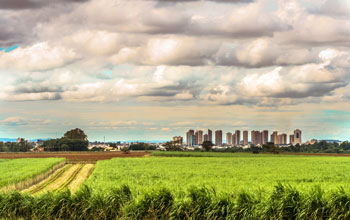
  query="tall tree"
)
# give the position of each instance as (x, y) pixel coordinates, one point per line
(207, 145)
(77, 134)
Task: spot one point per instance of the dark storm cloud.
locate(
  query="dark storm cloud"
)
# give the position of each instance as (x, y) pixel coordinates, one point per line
(315, 90)
(31, 4)
(172, 90)
(10, 33)
(38, 89)
(224, 1)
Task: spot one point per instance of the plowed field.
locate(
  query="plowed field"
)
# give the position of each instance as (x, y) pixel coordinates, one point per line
(74, 156)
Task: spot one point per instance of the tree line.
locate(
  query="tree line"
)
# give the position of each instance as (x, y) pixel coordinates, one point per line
(22, 146)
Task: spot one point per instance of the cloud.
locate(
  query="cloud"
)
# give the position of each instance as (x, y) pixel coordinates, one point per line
(40, 56)
(328, 31)
(19, 121)
(237, 54)
(165, 129)
(14, 121)
(336, 8)
(33, 96)
(303, 81)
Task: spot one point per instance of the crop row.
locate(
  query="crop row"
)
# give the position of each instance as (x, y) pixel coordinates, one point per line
(285, 202)
(71, 178)
(51, 180)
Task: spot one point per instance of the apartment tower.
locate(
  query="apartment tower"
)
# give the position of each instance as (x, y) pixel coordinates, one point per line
(229, 138)
(245, 137)
(189, 134)
(210, 135)
(297, 137)
(238, 137)
(265, 136)
(218, 138)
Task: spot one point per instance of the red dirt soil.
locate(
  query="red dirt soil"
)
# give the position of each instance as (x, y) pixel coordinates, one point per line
(74, 156)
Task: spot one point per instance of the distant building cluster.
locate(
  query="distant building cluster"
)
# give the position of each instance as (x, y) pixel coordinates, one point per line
(257, 138)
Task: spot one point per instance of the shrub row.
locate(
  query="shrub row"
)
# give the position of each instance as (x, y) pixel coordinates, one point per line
(285, 202)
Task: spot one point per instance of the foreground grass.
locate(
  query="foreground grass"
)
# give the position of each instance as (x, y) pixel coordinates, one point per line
(284, 202)
(18, 170)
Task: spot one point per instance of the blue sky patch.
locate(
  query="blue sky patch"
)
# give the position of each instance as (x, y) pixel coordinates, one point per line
(107, 72)
(9, 49)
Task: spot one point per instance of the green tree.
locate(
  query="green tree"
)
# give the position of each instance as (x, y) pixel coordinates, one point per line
(172, 146)
(207, 145)
(271, 147)
(77, 134)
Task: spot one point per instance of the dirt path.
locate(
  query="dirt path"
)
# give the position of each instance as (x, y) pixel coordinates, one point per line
(70, 176)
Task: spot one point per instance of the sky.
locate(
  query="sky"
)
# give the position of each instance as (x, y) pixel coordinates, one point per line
(151, 70)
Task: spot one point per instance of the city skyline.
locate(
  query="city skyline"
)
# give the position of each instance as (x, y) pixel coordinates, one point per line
(247, 135)
(257, 138)
(152, 69)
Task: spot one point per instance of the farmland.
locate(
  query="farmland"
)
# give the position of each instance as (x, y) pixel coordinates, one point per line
(73, 156)
(190, 186)
(15, 171)
(226, 173)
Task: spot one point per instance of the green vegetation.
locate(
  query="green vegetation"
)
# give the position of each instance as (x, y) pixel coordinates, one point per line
(22, 146)
(202, 154)
(207, 145)
(65, 144)
(198, 185)
(320, 147)
(229, 172)
(284, 202)
(52, 179)
(73, 140)
(141, 146)
(76, 134)
(18, 170)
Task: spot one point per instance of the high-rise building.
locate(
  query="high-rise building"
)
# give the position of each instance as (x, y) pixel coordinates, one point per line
(238, 137)
(284, 139)
(233, 139)
(281, 139)
(229, 138)
(271, 138)
(206, 137)
(265, 136)
(291, 139)
(210, 135)
(199, 137)
(297, 137)
(256, 138)
(195, 140)
(252, 137)
(178, 140)
(259, 138)
(218, 138)
(245, 137)
(274, 137)
(189, 134)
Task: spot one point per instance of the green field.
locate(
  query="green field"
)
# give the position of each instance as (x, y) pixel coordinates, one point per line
(198, 186)
(230, 173)
(18, 170)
